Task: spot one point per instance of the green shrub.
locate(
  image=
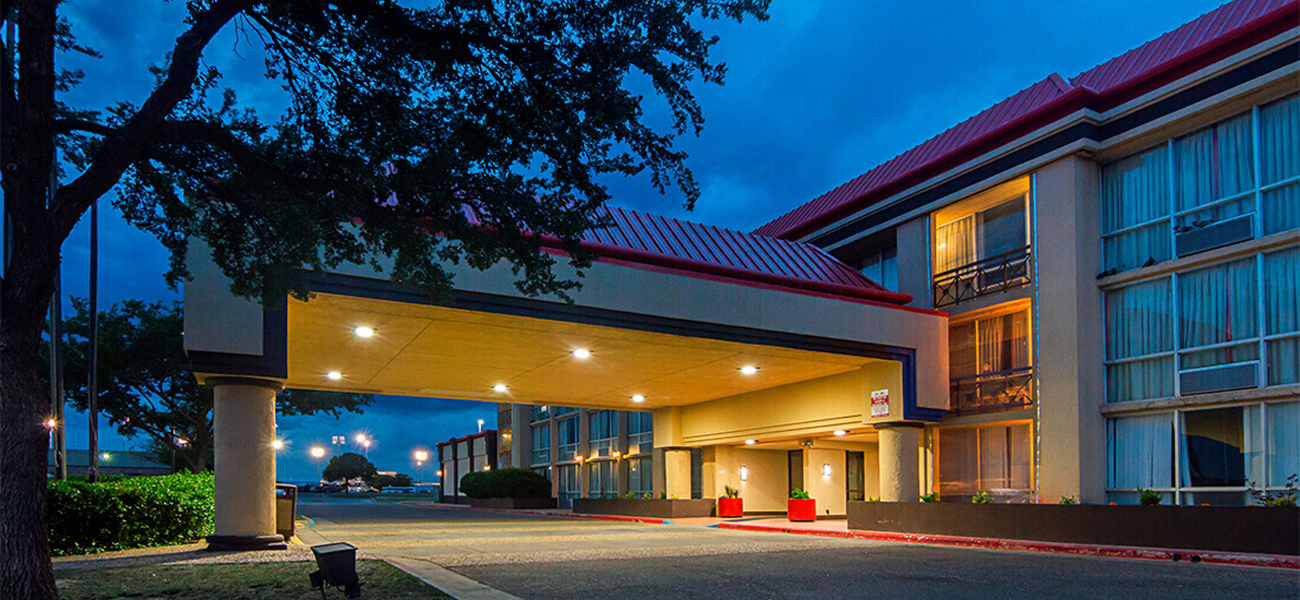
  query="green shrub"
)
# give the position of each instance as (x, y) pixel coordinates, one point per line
(1069, 500)
(730, 492)
(930, 497)
(799, 494)
(647, 496)
(873, 498)
(1149, 497)
(128, 512)
(982, 498)
(505, 483)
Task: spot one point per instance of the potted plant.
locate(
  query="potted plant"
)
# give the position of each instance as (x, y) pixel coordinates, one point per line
(1149, 497)
(731, 505)
(982, 498)
(800, 506)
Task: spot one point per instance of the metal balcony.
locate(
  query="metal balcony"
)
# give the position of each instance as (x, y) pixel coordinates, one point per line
(991, 275)
(990, 392)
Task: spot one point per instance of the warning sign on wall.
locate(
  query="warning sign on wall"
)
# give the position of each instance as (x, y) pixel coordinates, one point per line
(880, 403)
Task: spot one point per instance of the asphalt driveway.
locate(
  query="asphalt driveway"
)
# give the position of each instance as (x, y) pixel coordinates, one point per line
(557, 557)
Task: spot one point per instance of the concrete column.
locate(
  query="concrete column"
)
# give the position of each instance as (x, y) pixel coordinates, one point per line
(243, 427)
(677, 472)
(899, 462)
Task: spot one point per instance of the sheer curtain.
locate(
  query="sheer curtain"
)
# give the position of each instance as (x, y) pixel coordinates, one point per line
(1215, 163)
(1142, 452)
(1218, 305)
(958, 461)
(961, 351)
(954, 244)
(1136, 190)
(1138, 323)
(1282, 301)
(1279, 141)
(1283, 442)
(994, 467)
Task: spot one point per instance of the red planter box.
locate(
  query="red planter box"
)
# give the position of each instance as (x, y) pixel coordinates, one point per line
(801, 510)
(731, 507)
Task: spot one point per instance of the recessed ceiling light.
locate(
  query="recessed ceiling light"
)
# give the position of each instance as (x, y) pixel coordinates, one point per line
(500, 388)
(638, 398)
(581, 353)
(334, 375)
(363, 331)
(840, 432)
(750, 442)
(748, 370)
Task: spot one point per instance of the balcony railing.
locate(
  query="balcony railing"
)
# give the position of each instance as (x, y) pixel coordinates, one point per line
(991, 275)
(989, 392)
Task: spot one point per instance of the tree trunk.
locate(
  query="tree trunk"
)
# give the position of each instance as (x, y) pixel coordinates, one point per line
(25, 569)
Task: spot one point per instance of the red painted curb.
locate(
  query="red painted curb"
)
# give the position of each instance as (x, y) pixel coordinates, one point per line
(1225, 558)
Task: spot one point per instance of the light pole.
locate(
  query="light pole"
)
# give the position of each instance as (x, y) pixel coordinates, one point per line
(480, 425)
(420, 457)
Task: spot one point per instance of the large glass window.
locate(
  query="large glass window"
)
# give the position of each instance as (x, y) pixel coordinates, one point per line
(602, 479)
(981, 244)
(602, 430)
(541, 435)
(1246, 165)
(1204, 455)
(993, 231)
(989, 363)
(569, 486)
(989, 458)
(640, 432)
(539, 413)
(882, 267)
(568, 432)
(1238, 327)
(640, 475)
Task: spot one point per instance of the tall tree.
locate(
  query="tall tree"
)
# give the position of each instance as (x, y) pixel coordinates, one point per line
(146, 387)
(403, 121)
(348, 466)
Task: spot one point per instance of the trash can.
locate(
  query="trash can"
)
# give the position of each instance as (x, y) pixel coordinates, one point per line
(286, 501)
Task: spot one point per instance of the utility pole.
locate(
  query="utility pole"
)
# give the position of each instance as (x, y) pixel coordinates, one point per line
(92, 386)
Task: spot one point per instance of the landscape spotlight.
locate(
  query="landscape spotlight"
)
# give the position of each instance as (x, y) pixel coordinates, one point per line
(337, 564)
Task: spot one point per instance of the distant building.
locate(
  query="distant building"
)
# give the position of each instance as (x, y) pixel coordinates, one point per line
(126, 462)
(462, 455)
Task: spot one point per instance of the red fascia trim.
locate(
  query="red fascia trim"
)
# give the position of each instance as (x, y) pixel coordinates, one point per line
(685, 264)
(1263, 28)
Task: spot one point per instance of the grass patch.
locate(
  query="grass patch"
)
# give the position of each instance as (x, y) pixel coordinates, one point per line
(243, 581)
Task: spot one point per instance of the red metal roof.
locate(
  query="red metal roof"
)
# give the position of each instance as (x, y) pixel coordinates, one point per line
(694, 248)
(1102, 86)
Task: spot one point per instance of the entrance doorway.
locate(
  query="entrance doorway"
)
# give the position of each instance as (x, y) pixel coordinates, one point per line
(855, 481)
(796, 470)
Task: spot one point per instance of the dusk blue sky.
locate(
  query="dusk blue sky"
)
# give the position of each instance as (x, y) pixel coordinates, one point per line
(823, 91)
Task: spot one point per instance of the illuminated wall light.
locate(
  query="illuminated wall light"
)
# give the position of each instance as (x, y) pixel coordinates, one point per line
(277, 444)
(581, 353)
(363, 331)
(744, 473)
(750, 442)
(487, 467)
(840, 432)
(638, 398)
(748, 370)
(826, 470)
(500, 388)
(334, 376)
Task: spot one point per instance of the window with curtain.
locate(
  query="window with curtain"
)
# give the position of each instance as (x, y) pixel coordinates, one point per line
(1141, 452)
(1247, 164)
(640, 432)
(1283, 452)
(990, 364)
(1217, 307)
(954, 244)
(1135, 210)
(602, 428)
(601, 480)
(1214, 172)
(541, 435)
(640, 475)
(1282, 316)
(992, 231)
(991, 458)
(570, 486)
(882, 267)
(1140, 342)
(568, 432)
(1279, 169)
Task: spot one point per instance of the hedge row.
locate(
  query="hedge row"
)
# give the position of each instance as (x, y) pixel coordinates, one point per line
(131, 512)
(505, 483)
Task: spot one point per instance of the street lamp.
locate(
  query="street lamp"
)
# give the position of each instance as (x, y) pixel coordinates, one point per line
(480, 425)
(420, 457)
(317, 452)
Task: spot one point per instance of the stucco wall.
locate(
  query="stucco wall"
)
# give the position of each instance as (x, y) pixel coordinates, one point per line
(827, 490)
(767, 485)
(1068, 328)
(807, 407)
